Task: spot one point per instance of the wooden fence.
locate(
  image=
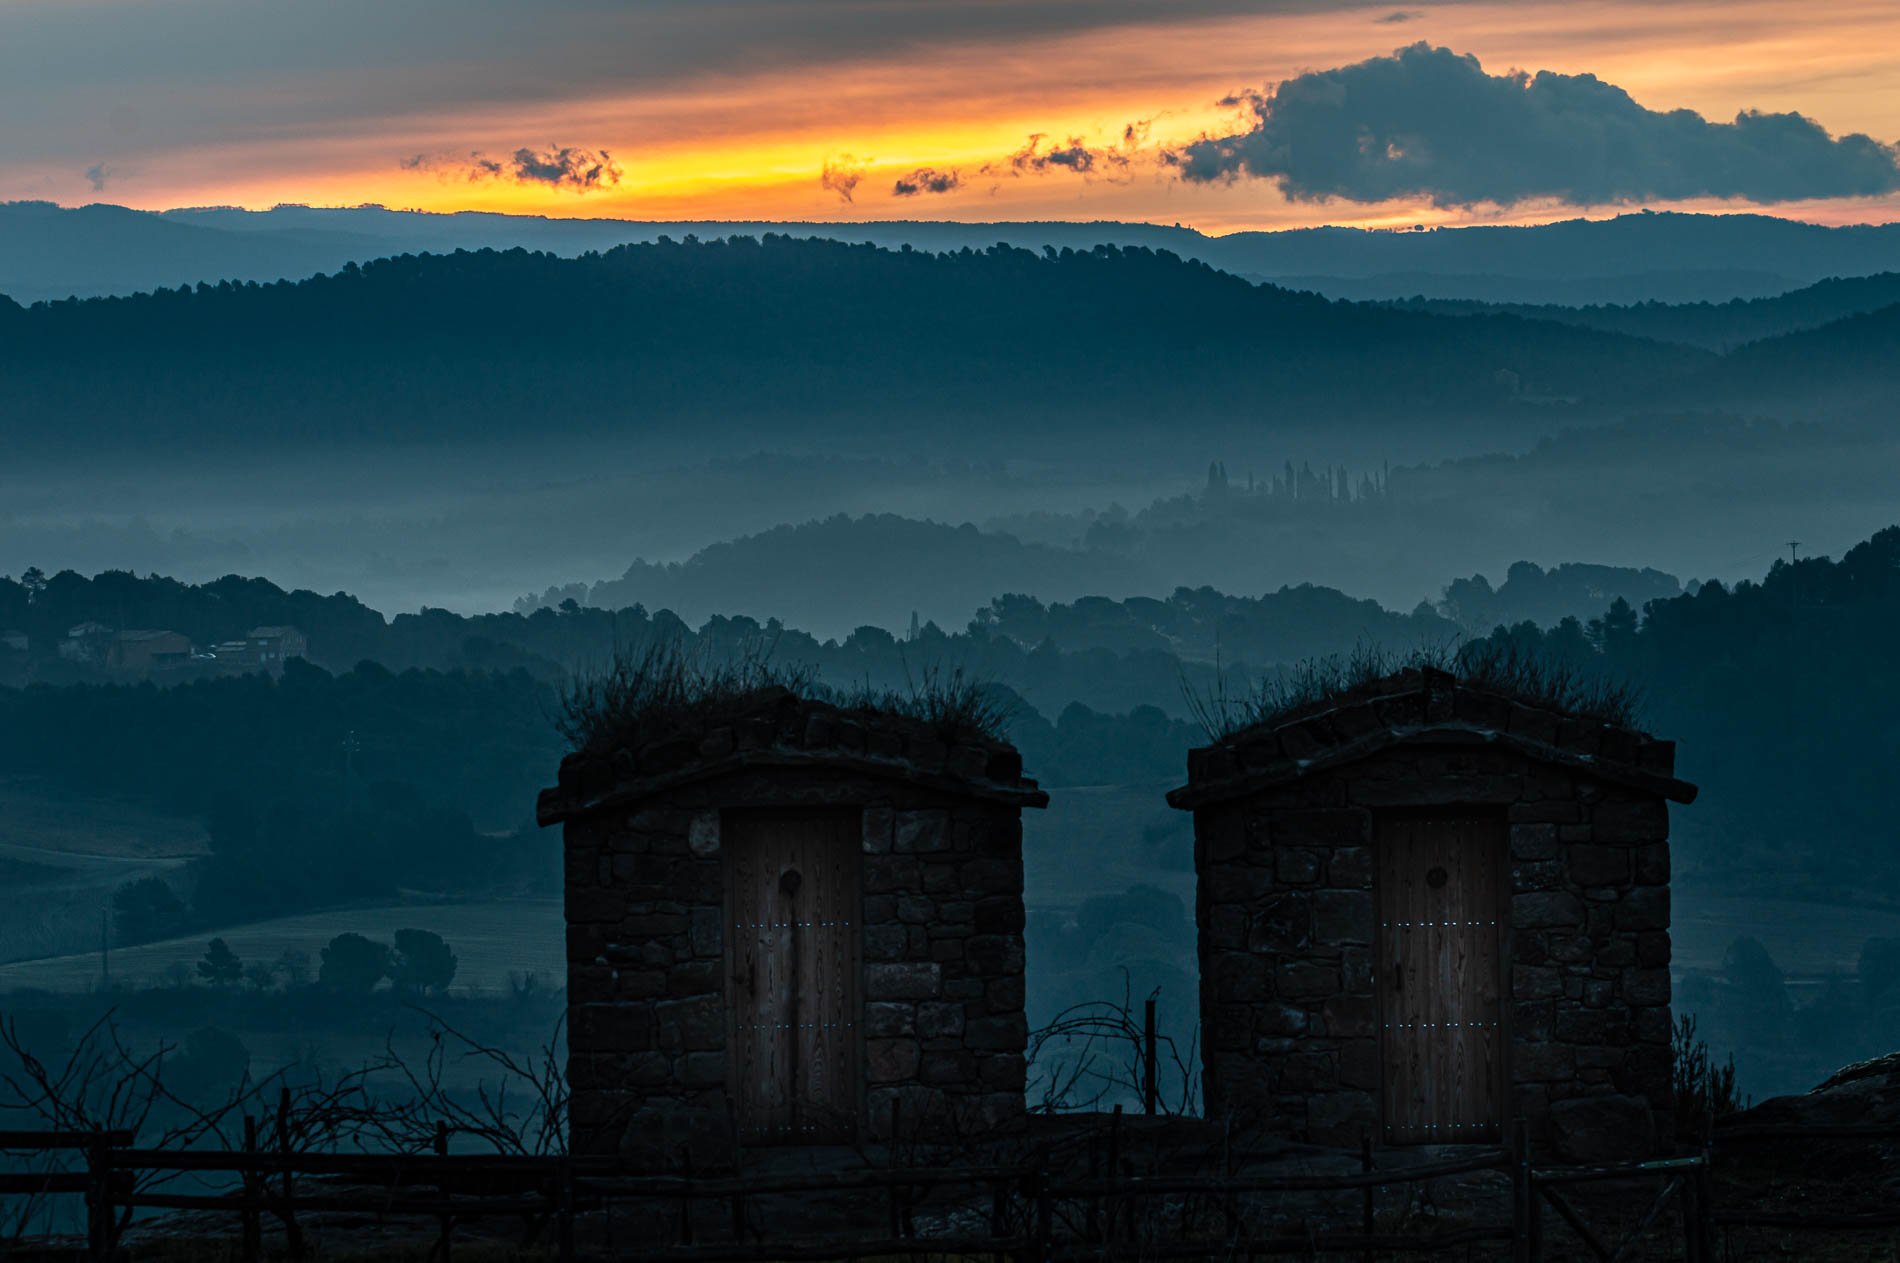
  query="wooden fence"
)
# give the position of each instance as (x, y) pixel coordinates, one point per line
(1032, 1215)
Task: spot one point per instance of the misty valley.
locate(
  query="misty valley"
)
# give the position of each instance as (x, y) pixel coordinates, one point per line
(383, 594)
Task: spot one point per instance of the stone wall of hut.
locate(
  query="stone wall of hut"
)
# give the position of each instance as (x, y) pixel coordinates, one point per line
(1287, 912)
(942, 951)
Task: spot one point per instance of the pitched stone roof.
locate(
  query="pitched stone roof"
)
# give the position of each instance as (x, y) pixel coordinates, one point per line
(778, 729)
(1425, 707)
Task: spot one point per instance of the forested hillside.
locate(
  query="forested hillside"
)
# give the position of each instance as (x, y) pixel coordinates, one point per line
(728, 334)
(1712, 326)
(1780, 693)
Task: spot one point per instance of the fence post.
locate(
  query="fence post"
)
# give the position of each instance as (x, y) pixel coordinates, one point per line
(999, 1199)
(446, 1222)
(1045, 1216)
(251, 1247)
(1705, 1193)
(99, 1225)
(293, 1233)
(1365, 1168)
(565, 1210)
(1113, 1211)
(1685, 1195)
(1523, 1249)
(1094, 1206)
(1149, 1088)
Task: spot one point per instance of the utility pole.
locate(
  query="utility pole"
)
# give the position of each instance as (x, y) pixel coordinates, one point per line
(1794, 592)
(105, 945)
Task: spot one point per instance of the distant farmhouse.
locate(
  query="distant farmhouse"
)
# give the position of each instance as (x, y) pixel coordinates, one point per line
(141, 652)
(261, 649)
(86, 643)
(163, 654)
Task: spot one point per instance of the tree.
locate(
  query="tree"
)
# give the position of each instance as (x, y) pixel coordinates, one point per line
(294, 965)
(423, 962)
(353, 963)
(147, 910)
(220, 966)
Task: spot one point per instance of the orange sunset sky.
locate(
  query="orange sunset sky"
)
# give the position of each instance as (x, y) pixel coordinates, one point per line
(733, 109)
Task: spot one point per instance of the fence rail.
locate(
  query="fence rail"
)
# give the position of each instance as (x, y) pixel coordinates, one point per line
(1024, 1200)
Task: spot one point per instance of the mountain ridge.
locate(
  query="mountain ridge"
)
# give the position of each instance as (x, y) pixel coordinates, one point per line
(47, 251)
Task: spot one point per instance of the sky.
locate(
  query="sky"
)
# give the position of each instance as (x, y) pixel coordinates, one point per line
(1218, 114)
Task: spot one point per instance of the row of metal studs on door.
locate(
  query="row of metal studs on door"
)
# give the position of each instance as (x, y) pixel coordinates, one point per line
(800, 1026)
(1406, 924)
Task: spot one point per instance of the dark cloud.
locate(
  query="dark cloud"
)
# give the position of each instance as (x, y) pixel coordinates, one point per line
(926, 180)
(842, 175)
(577, 169)
(565, 167)
(1040, 155)
(1074, 156)
(1429, 122)
(1397, 16)
(97, 175)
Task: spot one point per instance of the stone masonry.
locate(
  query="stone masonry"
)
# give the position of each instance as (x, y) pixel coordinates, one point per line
(1286, 826)
(942, 1023)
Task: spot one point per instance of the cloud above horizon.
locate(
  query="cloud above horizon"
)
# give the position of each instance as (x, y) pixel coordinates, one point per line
(557, 167)
(927, 180)
(842, 174)
(1429, 122)
(1039, 155)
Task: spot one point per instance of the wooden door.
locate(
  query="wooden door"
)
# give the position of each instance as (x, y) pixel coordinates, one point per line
(792, 970)
(1443, 917)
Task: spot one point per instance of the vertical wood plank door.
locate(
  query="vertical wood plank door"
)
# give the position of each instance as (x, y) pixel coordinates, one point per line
(792, 975)
(1443, 913)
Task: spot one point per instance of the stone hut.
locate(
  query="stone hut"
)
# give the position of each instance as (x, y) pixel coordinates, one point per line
(784, 923)
(1427, 908)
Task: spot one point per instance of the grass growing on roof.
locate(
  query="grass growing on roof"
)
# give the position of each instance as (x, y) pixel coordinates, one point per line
(1318, 684)
(661, 691)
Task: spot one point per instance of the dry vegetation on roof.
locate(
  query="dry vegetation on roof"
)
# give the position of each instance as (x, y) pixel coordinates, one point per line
(1318, 684)
(662, 691)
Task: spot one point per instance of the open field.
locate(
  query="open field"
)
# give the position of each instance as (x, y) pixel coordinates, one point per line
(96, 828)
(492, 939)
(61, 859)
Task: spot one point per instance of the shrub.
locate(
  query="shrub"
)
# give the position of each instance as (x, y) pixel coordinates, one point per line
(422, 962)
(294, 965)
(353, 963)
(147, 910)
(1501, 667)
(220, 966)
(1704, 1091)
(664, 691)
